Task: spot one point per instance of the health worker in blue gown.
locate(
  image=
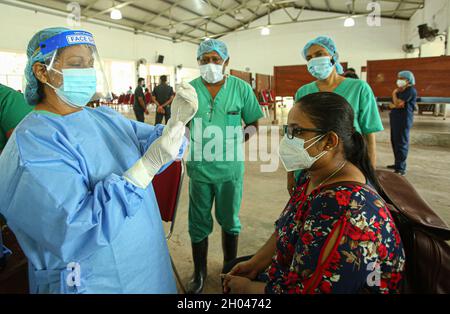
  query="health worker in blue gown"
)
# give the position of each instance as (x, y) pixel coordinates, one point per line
(76, 182)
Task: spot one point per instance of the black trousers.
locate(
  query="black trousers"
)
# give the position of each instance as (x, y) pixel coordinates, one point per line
(159, 116)
(139, 114)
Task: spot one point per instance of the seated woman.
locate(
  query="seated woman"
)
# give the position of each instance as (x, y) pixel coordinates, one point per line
(336, 234)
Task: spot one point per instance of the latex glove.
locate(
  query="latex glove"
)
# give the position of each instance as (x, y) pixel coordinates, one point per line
(185, 104)
(165, 149)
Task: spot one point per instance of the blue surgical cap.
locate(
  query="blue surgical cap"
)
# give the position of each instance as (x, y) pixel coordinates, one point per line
(35, 55)
(213, 45)
(409, 76)
(327, 43)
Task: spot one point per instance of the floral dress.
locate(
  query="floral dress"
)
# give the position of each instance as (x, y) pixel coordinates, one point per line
(365, 250)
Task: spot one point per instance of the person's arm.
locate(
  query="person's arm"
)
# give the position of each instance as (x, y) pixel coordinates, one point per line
(369, 120)
(251, 129)
(263, 258)
(147, 134)
(155, 101)
(142, 102)
(237, 280)
(54, 190)
(371, 140)
(397, 102)
(169, 101)
(251, 112)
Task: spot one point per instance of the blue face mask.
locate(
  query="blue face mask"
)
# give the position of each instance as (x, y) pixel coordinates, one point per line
(79, 86)
(320, 68)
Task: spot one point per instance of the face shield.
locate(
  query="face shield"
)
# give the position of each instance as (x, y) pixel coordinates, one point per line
(74, 68)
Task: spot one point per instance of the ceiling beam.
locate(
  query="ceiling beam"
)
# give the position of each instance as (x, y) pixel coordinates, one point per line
(124, 22)
(398, 8)
(89, 5)
(208, 18)
(344, 15)
(195, 13)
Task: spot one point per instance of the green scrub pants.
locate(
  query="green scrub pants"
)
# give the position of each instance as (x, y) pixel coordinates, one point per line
(227, 197)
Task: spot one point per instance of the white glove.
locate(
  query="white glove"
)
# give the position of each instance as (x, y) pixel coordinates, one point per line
(185, 105)
(165, 149)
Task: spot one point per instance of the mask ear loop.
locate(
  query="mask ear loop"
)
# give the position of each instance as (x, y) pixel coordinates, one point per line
(317, 138)
(320, 137)
(57, 71)
(49, 68)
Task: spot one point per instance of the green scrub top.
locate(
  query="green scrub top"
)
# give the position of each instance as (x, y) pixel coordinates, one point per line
(13, 108)
(360, 96)
(216, 132)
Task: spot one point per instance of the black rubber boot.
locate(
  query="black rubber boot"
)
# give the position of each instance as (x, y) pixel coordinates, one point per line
(199, 254)
(230, 247)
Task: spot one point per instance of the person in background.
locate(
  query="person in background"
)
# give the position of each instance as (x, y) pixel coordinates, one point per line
(148, 97)
(13, 108)
(323, 63)
(336, 234)
(130, 90)
(402, 118)
(162, 96)
(216, 177)
(139, 105)
(77, 189)
(351, 73)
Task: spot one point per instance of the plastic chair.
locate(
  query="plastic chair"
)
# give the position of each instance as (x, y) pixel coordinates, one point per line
(167, 186)
(265, 103)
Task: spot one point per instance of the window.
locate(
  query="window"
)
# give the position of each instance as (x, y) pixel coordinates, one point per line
(12, 66)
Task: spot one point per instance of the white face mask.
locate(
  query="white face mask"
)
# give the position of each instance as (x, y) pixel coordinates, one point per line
(212, 73)
(401, 83)
(294, 155)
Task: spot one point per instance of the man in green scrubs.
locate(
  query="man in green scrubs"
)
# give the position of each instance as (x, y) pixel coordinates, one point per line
(323, 63)
(216, 165)
(13, 108)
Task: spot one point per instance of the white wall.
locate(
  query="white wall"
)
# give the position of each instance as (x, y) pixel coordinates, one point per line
(436, 14)
(282, 47)
(19, 25)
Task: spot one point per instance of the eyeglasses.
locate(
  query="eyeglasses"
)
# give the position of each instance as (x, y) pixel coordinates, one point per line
(206, 60)
(291, 131)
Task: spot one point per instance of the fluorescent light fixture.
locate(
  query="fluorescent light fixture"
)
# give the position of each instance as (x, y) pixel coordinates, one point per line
(116, 14)
(265, 31)
(349, 22)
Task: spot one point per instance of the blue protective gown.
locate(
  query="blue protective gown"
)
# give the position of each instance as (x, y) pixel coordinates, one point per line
(65, 199)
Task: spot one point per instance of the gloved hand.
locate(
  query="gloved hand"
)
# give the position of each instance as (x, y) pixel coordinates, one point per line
(185, 104)
(165, 149)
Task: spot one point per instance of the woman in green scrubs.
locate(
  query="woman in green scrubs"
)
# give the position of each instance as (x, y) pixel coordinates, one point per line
(323, 63)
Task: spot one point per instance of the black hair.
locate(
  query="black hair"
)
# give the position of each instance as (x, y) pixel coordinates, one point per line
(140, 80)
(332, 113)
(351, 75)
(351, 70)
(163, 78)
